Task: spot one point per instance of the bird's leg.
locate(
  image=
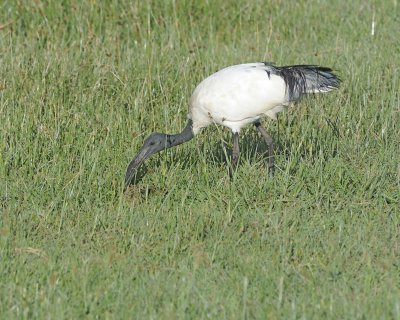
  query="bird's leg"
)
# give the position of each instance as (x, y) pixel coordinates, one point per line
(268, 140)
(235, 153)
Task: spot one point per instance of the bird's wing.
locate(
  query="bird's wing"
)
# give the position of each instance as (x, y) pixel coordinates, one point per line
(239, 92)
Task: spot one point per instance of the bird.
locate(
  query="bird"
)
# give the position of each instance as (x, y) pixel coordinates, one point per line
(237, 96)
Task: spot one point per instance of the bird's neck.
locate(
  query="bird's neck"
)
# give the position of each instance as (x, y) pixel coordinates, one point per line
(173, 140)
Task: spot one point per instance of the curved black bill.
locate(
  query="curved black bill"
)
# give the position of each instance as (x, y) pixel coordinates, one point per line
(134, 165)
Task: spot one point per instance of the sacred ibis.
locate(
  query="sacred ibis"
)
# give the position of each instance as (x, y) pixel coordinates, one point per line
(239, 95)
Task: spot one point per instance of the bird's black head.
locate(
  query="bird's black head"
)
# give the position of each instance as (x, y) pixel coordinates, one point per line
(153, 144)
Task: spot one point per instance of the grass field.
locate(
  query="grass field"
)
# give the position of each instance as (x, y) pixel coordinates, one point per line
(82, 83)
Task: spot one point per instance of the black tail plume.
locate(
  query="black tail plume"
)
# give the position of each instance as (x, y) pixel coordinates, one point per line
(305, 79)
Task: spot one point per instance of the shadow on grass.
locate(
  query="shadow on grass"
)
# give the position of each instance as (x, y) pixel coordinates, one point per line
(218, 151)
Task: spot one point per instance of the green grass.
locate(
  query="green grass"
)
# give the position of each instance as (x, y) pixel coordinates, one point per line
(84, 82)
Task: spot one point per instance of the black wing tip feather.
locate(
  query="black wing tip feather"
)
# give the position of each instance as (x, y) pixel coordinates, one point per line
(313, 67)
(299, 67)
(303, 78)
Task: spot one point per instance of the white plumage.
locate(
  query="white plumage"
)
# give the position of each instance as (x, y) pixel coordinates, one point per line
(239, 95)
(236, 96)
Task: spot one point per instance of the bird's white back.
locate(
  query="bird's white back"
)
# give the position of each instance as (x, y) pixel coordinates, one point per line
(236, 96)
